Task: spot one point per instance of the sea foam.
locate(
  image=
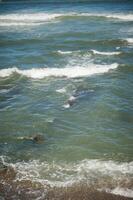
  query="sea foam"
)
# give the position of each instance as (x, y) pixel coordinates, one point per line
(26, 19)
(114, 177)
(129, 40)
(69, 72)
(31, 19)
(105, 53)
(119, 16)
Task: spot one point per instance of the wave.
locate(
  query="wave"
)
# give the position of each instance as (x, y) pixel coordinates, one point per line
(125, 17)
(61, 90)
(104, 175)
(38, 18)
(26, 19)
(34, 17)
(129, 40)
(69, 72)
(18, 24)
(121, 191)
(64, 52)
(128, 17)
(106, 53)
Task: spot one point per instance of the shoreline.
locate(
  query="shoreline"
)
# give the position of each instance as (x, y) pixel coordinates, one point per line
(12, 189)
(27, 190)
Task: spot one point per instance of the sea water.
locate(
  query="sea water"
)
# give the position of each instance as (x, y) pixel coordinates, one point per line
(66, 72)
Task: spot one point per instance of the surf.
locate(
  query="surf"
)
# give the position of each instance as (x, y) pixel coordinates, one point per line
(69, 72)
(31, 19)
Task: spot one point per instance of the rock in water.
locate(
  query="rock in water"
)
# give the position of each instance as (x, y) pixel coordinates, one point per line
(7, 173)
(38, 139)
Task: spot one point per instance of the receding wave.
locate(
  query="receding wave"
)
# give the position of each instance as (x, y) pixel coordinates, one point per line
(106, 53)
(38, 18)
(103, 175)
(69, 72)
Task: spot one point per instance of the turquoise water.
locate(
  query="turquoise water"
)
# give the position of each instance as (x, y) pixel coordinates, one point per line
(52, 54)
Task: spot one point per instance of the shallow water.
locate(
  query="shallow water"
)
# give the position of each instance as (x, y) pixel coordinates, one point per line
(52, 54)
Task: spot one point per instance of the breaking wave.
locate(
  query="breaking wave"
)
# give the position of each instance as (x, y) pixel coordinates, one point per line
(69, 72)
(130, 40)
(26, 19)
(39, 18)
(111, 176)
(64, 52)
(106, 53)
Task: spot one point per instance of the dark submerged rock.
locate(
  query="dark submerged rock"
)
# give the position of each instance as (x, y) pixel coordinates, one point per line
(7, 173)
(38, 139)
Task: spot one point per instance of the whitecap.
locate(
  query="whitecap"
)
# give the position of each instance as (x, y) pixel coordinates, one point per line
(125, 17)
(120, 16)
(69, 72)
(18, 24)
(120, 191)
(129, 40)
(30, 19)
(105, 53)
(64, 52)
(61, 90)
(66, 105)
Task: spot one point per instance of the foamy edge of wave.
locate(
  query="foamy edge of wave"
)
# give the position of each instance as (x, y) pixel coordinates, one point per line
(69, 72)
(120, 16)
(120, 191)
(64, 52)
(39, 18)
(87, 171)
(129, 40)
(105, 53)
(31, 17)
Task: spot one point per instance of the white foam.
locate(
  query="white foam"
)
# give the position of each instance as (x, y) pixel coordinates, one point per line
(88, 171)
(66, 106)
(26, 19)
(61, 90)
(107, 175)
(30, 19)
(125, 17)
(121, 191)
(69, 72)
(106, 53)
(64, 52)
(120, 16)
(72, 98)
(18, 24)
(129, 40)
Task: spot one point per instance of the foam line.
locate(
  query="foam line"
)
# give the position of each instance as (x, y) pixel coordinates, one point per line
(69, 72)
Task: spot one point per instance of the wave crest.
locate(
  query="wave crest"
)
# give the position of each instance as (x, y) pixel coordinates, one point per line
(69, 72)
(39, 18)
(105, 53)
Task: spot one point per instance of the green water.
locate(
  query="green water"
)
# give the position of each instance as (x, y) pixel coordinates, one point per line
(90, 47)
